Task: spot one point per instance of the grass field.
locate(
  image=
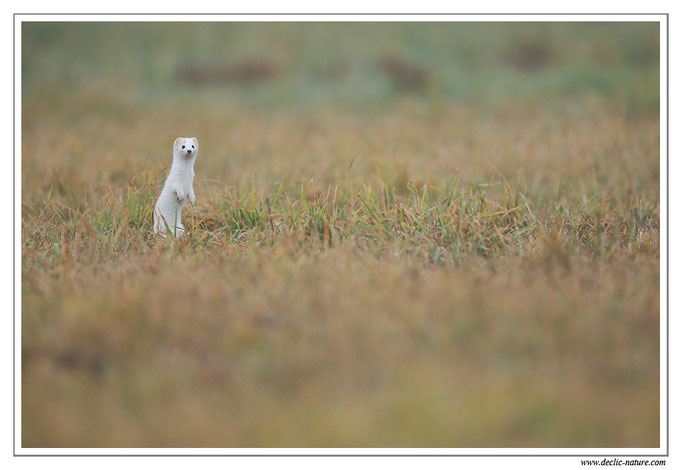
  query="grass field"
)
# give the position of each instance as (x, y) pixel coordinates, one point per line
(405, 235)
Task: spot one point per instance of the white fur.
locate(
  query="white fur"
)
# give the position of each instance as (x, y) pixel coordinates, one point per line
(177, 189)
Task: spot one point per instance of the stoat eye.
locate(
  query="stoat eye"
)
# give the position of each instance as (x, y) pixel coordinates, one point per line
(183, 146)
(192, 146)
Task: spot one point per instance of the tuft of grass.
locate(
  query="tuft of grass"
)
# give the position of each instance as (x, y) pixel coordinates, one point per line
(485, 221)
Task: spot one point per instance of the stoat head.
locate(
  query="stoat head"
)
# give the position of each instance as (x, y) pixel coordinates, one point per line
(186, 147)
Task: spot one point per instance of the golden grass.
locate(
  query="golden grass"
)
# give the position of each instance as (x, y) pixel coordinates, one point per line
(330, 349)
(308, 312)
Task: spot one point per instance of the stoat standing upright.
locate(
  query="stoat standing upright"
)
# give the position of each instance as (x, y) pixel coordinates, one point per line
(177, 189)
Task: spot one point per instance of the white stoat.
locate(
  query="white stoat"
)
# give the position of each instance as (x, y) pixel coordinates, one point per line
(177, 189)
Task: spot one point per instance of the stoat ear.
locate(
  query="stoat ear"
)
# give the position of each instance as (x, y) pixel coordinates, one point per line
(194, 139)
(177, 141)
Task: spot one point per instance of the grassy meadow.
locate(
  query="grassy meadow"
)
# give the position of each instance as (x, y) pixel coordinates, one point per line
(405, 235)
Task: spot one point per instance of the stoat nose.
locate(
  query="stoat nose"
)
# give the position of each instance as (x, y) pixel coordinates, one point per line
(189, 151)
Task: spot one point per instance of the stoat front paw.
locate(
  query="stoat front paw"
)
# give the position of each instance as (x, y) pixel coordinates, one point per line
(180, 196)
(191, 198)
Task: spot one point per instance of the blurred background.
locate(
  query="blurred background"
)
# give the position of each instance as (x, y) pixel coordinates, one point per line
(306, 99)
(358, 66)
